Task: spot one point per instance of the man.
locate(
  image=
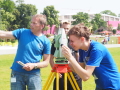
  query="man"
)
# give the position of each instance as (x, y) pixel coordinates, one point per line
(32, 45)
(94, 60)
(66, 27)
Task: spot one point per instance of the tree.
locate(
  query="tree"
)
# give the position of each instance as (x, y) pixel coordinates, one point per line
(1, 3)
(52, 17)
(114, 31)
(108, 12)
(98, 21)
(8, 5)
(95, 27)
(16, 16)
(24, 13)
(20, 2)
(46, 28)
(118, 15)
(81, 18)
(7, 18)
(110, 27)
(15, 24)
(118, 28)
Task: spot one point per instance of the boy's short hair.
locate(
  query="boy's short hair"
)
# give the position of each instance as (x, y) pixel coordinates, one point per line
(66, 23)
(80, 30)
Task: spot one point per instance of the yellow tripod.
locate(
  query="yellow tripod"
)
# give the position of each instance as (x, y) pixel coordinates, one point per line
(61, 68)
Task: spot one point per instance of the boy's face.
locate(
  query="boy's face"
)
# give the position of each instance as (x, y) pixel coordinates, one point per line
(75, 42)
(66, 27)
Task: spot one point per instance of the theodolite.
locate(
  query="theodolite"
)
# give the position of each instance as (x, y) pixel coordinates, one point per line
(60, 39)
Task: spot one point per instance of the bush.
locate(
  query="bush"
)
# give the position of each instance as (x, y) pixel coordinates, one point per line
(8, 40)
(13, 41)
(45, 28)
(48, 35)
(114, 31)
(0, 40)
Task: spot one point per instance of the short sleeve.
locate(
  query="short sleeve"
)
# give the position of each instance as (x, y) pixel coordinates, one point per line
(95, 58)
(16, 33)
(47, 47)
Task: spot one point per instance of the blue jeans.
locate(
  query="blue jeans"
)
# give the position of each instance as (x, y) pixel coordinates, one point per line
(21, 81)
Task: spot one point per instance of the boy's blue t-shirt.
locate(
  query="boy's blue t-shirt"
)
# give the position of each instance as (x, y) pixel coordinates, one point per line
(106, 74)
(30, 48)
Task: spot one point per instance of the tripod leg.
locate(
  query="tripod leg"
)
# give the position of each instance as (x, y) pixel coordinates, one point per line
(76, 84)
(57, 81)
(71, 82)
(65, 81)
(49, 80)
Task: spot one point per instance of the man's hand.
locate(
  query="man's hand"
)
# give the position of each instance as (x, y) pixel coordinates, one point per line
(29, 66)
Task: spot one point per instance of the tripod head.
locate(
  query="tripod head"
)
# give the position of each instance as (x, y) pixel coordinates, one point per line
(60, 39)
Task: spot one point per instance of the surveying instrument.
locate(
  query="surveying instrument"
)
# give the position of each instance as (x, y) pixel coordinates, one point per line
(61, 64)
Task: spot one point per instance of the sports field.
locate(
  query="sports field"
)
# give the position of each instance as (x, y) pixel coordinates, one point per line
(6, 61)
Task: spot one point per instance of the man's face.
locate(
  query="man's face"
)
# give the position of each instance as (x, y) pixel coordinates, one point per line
(75, 42)
(35, 25)
(66, 27)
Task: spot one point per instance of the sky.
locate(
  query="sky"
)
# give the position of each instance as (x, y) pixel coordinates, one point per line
(73, 6)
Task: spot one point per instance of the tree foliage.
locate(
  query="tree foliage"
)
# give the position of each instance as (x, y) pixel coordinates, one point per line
(1, 3)
(118, 15)
(7, 18)
(24, 13)
(8, 5)
(114, 31)
(46, 28)
(98, 21)
(118, 28)
(110, 27)
(20, 2)
(108, 12)
(15, 24)
(80, 18)
(52, 15)
(16, 16)
(95, 27)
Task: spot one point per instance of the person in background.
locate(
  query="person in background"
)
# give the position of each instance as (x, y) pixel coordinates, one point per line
(32, 46)
(66, 26)
(108, 38)
(95, 59)
(96, 38)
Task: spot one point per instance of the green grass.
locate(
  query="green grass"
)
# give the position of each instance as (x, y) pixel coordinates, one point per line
(6, 62)
(113, 40)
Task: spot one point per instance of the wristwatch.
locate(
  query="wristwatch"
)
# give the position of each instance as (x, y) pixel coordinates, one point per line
(35, 66)
(76, 51)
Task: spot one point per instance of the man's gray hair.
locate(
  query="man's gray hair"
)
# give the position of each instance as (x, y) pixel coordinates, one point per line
(42, 18)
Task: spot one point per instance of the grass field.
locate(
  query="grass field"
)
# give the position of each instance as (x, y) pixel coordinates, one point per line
(6, 61)
(113, 39)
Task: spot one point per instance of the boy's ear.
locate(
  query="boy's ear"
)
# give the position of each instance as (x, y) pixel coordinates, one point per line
(82, 38)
